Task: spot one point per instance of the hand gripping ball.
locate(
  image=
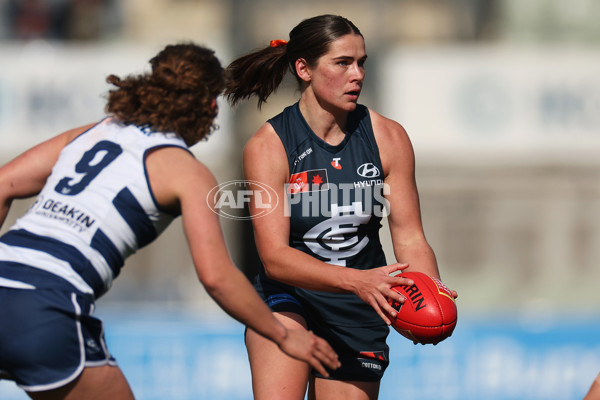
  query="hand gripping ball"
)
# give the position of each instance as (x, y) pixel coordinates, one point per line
(429, 313)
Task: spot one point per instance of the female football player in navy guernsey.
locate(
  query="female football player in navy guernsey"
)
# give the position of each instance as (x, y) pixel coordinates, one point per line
(105, 190)
(338, 165)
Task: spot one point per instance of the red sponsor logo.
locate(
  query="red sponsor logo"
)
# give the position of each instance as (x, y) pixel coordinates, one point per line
(308, 181)
(336, 163)
(374, 355)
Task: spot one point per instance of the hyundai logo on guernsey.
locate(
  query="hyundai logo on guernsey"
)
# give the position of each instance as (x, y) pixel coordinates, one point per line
(368, 170)
(371, 174)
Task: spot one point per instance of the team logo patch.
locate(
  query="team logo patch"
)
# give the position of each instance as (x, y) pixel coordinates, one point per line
(308, 181)
(337, 238)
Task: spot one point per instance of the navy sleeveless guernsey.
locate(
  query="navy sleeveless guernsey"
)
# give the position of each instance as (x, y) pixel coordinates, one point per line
(336, 202)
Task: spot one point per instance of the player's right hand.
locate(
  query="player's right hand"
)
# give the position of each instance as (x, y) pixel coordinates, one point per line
(306, 346)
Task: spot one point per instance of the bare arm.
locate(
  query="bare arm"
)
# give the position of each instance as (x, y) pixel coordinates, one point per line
(26, 175)
(292, 266)
(406, 228)
(181, 182)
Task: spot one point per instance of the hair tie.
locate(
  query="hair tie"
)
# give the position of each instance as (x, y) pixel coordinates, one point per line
(278, 42)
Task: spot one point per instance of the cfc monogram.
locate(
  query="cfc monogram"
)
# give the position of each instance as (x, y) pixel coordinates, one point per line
(337, 238)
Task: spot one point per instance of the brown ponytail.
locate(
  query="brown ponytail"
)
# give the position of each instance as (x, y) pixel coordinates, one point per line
(259, 73)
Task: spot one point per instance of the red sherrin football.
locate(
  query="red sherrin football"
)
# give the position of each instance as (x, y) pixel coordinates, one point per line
(429, 313)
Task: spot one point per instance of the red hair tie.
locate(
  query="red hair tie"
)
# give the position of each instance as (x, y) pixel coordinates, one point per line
(278, 42)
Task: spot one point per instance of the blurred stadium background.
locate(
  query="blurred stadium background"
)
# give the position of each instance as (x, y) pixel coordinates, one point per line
(502, 101)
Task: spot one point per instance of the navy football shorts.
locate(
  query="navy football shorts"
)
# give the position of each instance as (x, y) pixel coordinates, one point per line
(362, 349)
(48, 336)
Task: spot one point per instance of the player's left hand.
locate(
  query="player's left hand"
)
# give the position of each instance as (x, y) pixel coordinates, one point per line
(375, 288)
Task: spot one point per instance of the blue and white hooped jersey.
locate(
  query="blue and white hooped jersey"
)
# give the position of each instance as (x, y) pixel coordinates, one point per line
(95, 210)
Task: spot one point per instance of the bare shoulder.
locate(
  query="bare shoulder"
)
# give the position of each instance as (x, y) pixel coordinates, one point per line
(265, 152)
(393, 141)
(175, 175)
(387, 131)
(73, 133)
(264, 140)
(178, 165)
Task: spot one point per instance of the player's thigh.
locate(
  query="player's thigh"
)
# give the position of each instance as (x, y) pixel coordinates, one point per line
(275, 375)
(329, 389)
(94, 383)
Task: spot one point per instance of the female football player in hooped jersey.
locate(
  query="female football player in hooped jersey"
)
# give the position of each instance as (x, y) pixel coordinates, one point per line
(104, 190)
(338, 164)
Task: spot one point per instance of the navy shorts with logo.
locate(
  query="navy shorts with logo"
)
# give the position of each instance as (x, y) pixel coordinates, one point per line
(48, 336)
(362, 350)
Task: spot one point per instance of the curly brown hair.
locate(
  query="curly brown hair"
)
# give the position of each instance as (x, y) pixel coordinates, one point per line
(178, 95)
